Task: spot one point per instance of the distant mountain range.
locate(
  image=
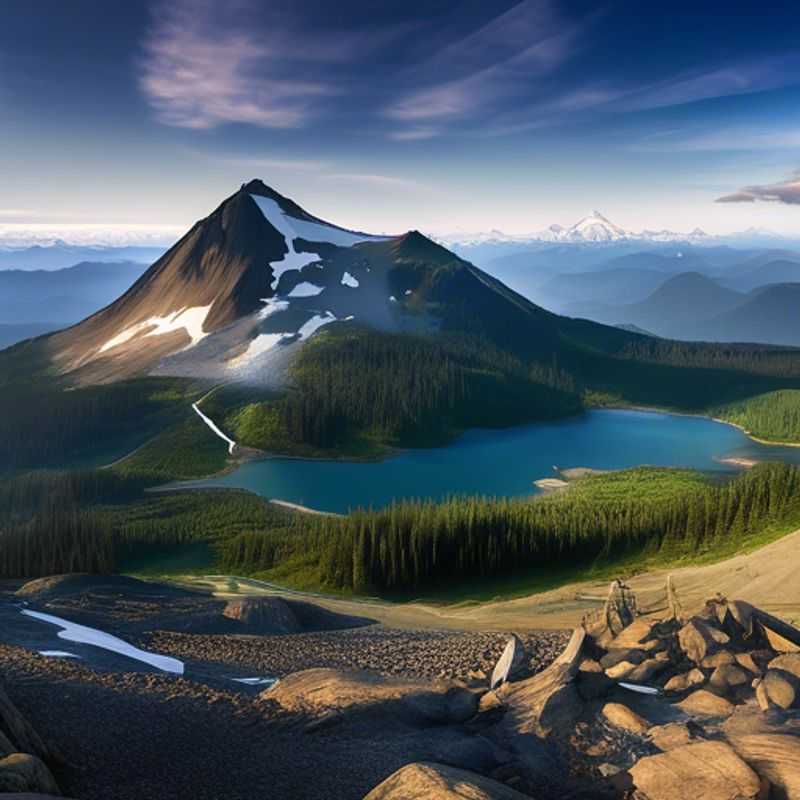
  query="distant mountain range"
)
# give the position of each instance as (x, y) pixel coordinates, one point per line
(60, 255)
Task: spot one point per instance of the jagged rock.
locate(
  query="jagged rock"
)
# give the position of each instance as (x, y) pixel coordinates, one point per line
(708, 770)
(789, 662)
(680, 683)
(728, 677)
(706, 704)
(746, 661)
(780, 688)
(319, 691)
(638, 635)
(774, 757)
(720, 659)
(613, 657)
(620, 671)
(427, 781)
(698, 639)
(669, 736)
(620, 716)
(22, 772)
(549, 698)
(646, 670)
(263, 615)
(509, 663)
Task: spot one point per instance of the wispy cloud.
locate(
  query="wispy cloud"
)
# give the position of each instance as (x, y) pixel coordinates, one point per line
(381, 181)
(787, 192)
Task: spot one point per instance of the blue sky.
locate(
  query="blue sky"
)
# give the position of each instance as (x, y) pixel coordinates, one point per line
(441, 115)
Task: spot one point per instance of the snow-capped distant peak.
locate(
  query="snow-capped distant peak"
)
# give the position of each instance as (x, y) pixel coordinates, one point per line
(595, 228)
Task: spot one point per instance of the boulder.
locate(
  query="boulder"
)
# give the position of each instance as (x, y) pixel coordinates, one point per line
(621, 670)
(680, 683)
(638, 635)
(789, 662)
(780, 688)
(720, 659)
(728, 677)
(703, 703)
(746, 661)
(589, 665)
(427, 781)
(22, 772)
(263, 615)
(631, 654)
(321, 691)
(620, 716)
(778, 641)
(669, 736)
(549, 698)
(775, 758)
(647, 670)
(18, 731)
(510, 662)
(698, 639)
(708, 770)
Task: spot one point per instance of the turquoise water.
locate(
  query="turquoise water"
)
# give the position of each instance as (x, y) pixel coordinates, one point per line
(503, 462)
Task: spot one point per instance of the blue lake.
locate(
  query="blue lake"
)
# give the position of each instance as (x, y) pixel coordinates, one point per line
(504, 462)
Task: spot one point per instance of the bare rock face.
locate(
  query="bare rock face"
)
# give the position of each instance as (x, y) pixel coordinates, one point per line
(774, 757)
(21, 772)
(689, 680)
(703, 703)
(426, 781)
(698, 639)
(708, 770)
(330, 691)
(263, 615)
(620, 716)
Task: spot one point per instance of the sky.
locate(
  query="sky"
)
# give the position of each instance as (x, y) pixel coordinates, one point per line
(141, 117)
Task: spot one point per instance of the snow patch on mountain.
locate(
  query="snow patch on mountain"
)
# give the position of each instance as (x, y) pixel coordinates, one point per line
(189, 319)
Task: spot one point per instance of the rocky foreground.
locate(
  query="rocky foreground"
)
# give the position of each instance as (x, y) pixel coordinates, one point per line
(692, 705)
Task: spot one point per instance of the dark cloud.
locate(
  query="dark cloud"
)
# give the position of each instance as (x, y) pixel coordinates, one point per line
(787, 192)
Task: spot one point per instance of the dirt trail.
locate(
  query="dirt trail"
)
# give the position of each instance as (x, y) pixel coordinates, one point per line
(769, 578)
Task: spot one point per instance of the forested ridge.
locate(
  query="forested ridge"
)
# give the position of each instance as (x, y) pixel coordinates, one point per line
(774, 416)
(419, 545)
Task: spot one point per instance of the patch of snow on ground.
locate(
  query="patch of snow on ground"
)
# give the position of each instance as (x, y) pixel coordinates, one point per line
(407, 292)
(211, 424)
(73, 632)
(259, 345)
(315, 323)
(306, 289)
(58, 654)
(392, 298)
(190, 319)
(349, 280)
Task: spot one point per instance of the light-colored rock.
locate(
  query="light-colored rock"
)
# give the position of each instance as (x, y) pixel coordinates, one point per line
(22, 772)
(647, 670)
(720, 659)
(638, 635)
(782, 638)
(774, 757)
(319, 691)
(589, 665)
(745, 660)
(707, 770)
(780, 688)
(620, 671)
(689, 680)
(669, 736)
(789, 662)
(703, 703)
(632, 655)
(728, 677)
(620, 716)
(426, 781)
(698, 639)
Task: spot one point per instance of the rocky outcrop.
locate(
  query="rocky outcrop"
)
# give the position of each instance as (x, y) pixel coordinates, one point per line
(425, 781)
(263, 615)
(622, 717)
(328, 691)
(22, 772)
(708, 770)
(776, 758)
